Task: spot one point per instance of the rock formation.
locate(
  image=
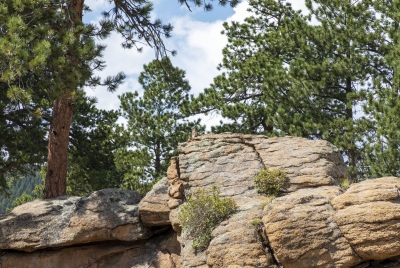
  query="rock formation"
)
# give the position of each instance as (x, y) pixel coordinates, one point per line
(314, 223)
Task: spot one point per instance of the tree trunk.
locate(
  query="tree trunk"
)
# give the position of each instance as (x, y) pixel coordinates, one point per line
(351, 152)
(157, 164)
(56, 176)
(57, 160)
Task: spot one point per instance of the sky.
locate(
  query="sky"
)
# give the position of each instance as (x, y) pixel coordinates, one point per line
(196, 37)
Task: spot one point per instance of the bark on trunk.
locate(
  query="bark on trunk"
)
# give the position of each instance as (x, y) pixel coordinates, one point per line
(56, 176)
(157, 164)
(351, 152)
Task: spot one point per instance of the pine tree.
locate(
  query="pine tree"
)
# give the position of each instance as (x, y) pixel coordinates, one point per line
(47, 42)
(95, 136)
(287, 76)
(155, 125)
(383, 107)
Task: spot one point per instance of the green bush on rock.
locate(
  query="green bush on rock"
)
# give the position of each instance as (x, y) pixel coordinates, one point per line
(205, 208)
(271, 182)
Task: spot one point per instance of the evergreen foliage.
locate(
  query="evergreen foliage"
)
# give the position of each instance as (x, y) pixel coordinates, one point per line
(155, 124)
(383, 146)
(271, 182)
(47, 54)
(18, 188)
(287, 76)
(95, 136)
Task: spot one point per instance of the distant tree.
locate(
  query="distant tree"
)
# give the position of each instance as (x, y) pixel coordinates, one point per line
(155, 124)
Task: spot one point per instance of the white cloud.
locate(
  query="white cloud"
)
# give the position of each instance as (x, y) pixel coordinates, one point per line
(199, 46)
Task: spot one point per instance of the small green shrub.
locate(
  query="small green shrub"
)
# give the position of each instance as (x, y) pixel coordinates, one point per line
(345, 183)
(271, 182)
(204, 209)
(256, 221)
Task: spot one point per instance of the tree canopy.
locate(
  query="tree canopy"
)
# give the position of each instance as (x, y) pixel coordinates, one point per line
(155, 124)
(332, 74)
(286, 73)
(48, 54)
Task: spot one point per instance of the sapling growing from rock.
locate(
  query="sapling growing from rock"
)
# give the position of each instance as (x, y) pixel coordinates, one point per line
(271, 182)
(204, 210)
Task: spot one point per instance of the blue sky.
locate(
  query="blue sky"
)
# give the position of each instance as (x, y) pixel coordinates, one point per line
(167, 9)
(196, 37)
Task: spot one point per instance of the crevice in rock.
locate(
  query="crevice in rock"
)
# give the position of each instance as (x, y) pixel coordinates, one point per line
(178, 170)
(341, 233)
(255, 150)
(262, 236)
(160, 230)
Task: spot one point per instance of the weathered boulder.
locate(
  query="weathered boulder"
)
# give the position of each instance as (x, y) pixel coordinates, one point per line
(232, 160)
(381, 189)
(303, 233)
(159, 252)
(313, 223)
(237, 241)
(153, 208)
(105, 215)
(368, 215)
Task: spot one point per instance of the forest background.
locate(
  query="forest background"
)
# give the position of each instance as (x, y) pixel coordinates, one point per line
(330, 76)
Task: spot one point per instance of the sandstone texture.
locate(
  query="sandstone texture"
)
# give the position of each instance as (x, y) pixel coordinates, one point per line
(106, 215)
(368, 215)
(312, 223)
(226, 159)
(160, 252)
(302, 231)
(153, 208)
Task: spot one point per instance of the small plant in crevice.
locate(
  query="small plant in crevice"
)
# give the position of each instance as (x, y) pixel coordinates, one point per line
(202, 212)
(256, 222)
(345, 183)
(265, 204)
(271, 182)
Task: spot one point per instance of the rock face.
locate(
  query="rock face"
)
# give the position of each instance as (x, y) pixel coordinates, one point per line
(303, 233)
(153, 208)
(314, 223)
(160, 252)
(368, 215)
(231, 161)
(105, 215)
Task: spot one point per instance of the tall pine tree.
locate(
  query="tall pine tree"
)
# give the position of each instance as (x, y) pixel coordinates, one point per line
(287, 76)
(155, 124)
(48, 40)
(383, 107)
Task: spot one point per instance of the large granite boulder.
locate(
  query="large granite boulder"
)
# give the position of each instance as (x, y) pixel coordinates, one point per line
(231, 161)
(303, 233)
(368, 214)
(105, 215)
(159, 252)
(313, 223)
(153, 208)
